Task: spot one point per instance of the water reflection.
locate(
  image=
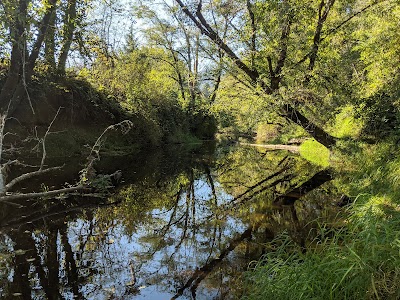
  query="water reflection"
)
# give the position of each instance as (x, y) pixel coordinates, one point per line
(183, 226)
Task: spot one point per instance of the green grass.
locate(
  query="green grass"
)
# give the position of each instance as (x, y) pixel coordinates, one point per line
(181, 137)
(315, 153)
(361, 260)
(346, 124)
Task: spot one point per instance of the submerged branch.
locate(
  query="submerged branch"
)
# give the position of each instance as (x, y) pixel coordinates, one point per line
(25, 176)
(55, 211)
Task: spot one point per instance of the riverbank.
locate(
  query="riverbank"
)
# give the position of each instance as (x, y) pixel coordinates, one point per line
(79, 112)
(356, 258)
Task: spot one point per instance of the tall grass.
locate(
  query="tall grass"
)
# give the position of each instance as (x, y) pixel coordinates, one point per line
(361, 260)
(352, 265)
(346, 124)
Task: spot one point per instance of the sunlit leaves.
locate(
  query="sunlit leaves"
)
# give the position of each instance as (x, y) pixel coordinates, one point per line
(378, 46)
(238, 106)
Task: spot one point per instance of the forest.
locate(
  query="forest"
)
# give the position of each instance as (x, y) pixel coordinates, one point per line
(259, 136)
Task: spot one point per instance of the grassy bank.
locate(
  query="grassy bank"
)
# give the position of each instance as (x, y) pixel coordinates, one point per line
(81, 111)
(358, 259)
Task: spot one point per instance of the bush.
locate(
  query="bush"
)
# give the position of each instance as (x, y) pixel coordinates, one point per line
(381, 116)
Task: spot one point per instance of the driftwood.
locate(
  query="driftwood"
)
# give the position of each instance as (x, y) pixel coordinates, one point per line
(87, 184)
(291, 148)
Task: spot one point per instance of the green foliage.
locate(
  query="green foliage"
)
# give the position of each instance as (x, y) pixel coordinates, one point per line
(143, 83)
(315, 152)
(347, 123)
(357, 265)
(378, 47)
(289, 132)
(139, 79)
(203, 125)
(238, 107)
(359, 259)
(381, 115)
(357, 59)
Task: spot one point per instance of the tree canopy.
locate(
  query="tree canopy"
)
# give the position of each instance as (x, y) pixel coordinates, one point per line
(274, 62)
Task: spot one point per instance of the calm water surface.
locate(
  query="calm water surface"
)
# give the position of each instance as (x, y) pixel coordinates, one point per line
(183, 224)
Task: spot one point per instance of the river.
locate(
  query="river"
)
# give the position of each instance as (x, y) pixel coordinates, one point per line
(182, 224)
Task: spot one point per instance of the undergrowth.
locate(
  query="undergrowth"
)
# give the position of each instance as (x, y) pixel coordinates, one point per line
(359, 260)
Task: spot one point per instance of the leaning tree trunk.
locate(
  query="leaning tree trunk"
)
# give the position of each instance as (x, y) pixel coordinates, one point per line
(289, 112)
(314, 130)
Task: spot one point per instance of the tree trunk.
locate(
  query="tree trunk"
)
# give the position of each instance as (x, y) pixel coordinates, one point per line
(289, 112)
(314, 130)
(49, 42)
(69, 28)
(43, 26)
(21, 69)
(17, 32)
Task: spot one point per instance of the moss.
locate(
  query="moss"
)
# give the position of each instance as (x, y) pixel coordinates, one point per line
(315, 152)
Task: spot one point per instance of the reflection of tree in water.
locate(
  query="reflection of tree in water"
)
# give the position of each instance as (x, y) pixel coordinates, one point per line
(38, 268)
(189, 233)
(221, 217)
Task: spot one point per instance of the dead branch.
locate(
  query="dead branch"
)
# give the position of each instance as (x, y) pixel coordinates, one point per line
(84, 186)
(17, 163)
(88, 172)
(44, 194)
(28, 175)
(44, 139)
(25, 176)
(124, 126)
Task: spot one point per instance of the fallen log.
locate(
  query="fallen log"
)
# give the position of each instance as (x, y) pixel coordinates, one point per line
(26, 196)
(291, 148)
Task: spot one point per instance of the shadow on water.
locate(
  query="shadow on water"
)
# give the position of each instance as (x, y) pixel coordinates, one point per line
(183, 225)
